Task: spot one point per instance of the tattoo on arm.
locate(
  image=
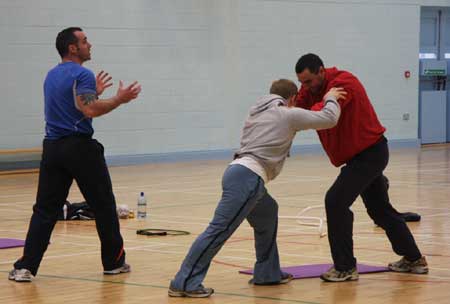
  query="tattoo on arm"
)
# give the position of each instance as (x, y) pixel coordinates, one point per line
(88, 98)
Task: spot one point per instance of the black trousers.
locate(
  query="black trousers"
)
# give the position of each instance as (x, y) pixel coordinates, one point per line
(63, 160)
(363, 175)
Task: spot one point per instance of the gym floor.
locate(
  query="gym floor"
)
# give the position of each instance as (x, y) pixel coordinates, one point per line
(183, 196)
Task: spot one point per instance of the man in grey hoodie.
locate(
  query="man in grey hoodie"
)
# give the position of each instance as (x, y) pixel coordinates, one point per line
(266, 139)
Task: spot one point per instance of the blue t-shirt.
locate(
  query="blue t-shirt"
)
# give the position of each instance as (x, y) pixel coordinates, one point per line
(62, 84)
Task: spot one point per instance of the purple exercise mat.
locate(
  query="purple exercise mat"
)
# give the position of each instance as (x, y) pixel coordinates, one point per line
(315, 270)
(11, 243)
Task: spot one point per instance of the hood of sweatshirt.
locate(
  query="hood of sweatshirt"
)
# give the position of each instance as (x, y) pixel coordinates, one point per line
(266, 102)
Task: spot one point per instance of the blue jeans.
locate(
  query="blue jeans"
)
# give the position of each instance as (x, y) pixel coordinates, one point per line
(244, 197)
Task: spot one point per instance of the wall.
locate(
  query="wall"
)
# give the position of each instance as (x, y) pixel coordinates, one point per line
(202, 63)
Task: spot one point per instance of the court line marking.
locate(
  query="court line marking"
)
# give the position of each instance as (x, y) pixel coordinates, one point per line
(230, 294)
(148, 248)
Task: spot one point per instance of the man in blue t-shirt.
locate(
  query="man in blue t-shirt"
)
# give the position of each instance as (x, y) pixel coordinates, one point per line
(69, 152)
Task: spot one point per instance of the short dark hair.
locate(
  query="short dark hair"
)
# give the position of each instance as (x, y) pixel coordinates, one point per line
(312, 62)
(65, 38)
(283, 87)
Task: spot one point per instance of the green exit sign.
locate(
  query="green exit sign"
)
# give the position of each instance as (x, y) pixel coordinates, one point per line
(435, 72)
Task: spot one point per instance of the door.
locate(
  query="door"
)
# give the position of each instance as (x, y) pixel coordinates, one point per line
(434, 107)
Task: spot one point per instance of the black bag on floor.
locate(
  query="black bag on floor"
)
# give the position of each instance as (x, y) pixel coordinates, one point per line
(76, 211)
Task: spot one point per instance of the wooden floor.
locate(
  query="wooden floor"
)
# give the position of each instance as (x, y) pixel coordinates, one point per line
(184, 195)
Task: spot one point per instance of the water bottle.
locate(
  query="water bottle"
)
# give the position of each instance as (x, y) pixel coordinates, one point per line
(142, 206)
(65, 211)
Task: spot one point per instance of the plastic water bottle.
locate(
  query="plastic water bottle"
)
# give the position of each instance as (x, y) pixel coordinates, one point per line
(142, 206)
(65, 211)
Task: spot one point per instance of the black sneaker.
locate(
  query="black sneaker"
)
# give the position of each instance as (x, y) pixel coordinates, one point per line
(333, 275)
(419, 266)
(287, 277)
(202, 292)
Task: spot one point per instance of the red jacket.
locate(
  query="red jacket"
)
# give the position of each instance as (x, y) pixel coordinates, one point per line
(358, 127)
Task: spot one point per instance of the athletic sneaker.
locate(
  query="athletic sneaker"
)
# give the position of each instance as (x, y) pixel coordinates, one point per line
(286, 278)
(419, 266)
(202, 292)
(20, 275)
(333, 275)
(122, 269)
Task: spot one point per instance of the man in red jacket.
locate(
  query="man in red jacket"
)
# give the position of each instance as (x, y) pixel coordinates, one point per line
(358, 145)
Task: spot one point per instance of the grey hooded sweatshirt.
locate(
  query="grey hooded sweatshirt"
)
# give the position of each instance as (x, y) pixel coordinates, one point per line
(271, 127)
